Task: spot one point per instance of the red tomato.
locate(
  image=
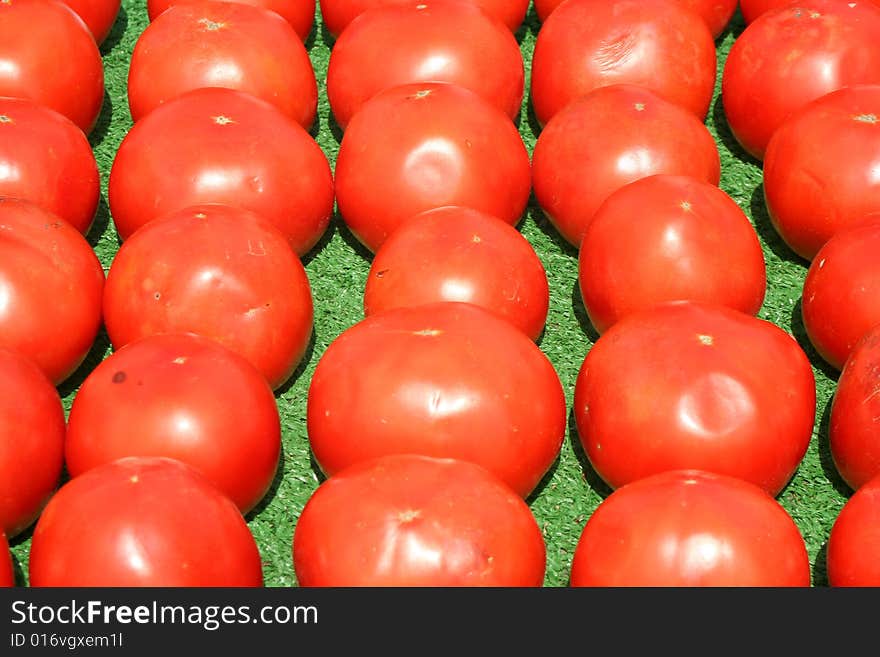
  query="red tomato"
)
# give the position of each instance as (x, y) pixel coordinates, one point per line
(841, 300)
(793, 55)
(48, 55)
(855, 540)
(184, 397)
(299, 13)
(112, 527)
(448, 380)
(207, 43)
(337, 14)
(51, 284)
(410, 520)
(31, 442)
(686, 385)
(448, 147)
(669, 238)
(46, 159)
(216, 271)
(690, 528)
(459, 254)
(98, 15)
(587, 44)
(7, 574)
(222, 146)
(614, 136)
(751, 9)
(434, 41)
(820, 170)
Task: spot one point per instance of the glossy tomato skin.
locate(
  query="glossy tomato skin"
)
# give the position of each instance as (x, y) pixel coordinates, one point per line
(690, 528)
(46, 159)
(143, 522)
(820, 170)
(669, 238)
(185, 397)
(299, 13)
(31, 442)
(855, 540)
(47, 55)
(224, 146)
(219, 272)
(432, 41)
(793, 55)
(446, 380)
(588, 44)
(448, 147)
(207, 43)
(52, 283)
(841, 300)
(686, 385)
(98, 15)
(752, 9)
(7, 574)
(459, 254)
(611, 137)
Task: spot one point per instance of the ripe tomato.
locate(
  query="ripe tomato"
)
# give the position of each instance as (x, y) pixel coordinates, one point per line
(793, 55)
(587, 44)
(31, 442)
(219, 272)
(185, 397)
(612, 137)
(48, 55)
(690, 385)
(448, 380)
(434, 41)
(111, 527)
(669, 238)
(7, 574)
(51, 284)
(841, 300)
(98, 15)
(207, 43)
(406, 520)
(46, 159)
(752, 9)
(459, 254)
(855, 540)
(299, 13)
(222, 146)
(448, 147)
(820, 170)
(690, 528)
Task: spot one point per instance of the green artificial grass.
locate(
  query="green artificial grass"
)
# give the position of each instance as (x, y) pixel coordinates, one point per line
(338, 267)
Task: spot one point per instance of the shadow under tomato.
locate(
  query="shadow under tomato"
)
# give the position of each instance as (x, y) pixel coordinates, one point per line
(580, 311)
(301, 367)
(800, 334)
(825, 458)
(820, 566)
(321, 243)
(100, 349)
(102, 220)
(102, 125)
(349, 238)
(592, 478)
(271, 493)
(769, 235)
(316, 469)
(116, 32)
(722, 129)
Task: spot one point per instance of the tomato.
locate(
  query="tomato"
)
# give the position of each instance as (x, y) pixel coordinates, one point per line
(337, 14)
(208, 43)
(51, 284)
(448, 380)
(752, 9)
(47, 55)
(793, 55)
(611, 137)
(459, 254)
(31, 442)
(46, 159)
(434, 41)
(222, 146)
(7, 574)
(855, 540)
(690, 528)
(688, 385)
(669, 238)
(98, 15)
(448, 146)
(407, 520)
(111, 527)
(185, 397)
(299, 13)
(219, 272)
(841, 300)
(820, 170)
(588, 44)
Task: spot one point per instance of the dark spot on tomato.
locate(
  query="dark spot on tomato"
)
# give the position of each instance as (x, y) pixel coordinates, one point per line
(119, 377)
(381, 273)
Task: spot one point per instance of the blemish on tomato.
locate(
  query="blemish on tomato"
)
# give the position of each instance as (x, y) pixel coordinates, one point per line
(429, 332)
(408, 516)
(180, 360)
(381, 273)
(707, 340)
(685, 205)
(222, 120)
(5, 119)
(865, 118)
(476, 239)
(639, 107)
(119, 377)
(134, 479)
(211, 26)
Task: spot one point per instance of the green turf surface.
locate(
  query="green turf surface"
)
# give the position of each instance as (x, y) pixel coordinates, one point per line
(337, 269)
